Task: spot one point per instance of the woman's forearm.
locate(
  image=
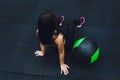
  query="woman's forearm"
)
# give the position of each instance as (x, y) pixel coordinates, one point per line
(61, 54)
(61, 58)
(42, 47)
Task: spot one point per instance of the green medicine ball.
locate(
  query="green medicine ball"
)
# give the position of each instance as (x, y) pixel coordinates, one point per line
(85, 51)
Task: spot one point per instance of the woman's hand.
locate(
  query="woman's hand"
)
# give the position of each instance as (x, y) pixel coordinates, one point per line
(64, 69)
(39, 53)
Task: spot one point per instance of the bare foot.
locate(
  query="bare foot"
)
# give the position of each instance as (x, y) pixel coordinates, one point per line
(39, 53)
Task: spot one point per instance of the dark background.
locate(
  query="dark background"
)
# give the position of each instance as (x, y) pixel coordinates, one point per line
(18, 42)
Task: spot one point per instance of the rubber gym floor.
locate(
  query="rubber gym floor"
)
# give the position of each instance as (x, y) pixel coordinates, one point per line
(18, 42)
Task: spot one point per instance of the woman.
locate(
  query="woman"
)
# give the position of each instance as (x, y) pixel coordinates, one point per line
(49, 34)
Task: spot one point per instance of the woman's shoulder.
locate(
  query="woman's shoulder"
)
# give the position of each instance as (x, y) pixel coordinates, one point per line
(59, 39)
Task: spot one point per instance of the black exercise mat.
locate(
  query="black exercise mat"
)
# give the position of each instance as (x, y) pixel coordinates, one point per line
(18, 21)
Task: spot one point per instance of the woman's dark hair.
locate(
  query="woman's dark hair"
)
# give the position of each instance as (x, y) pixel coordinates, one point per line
(47, 24)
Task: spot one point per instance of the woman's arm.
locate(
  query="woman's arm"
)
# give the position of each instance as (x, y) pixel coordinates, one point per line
(60, 43)
(42, 46)
(42, 52)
